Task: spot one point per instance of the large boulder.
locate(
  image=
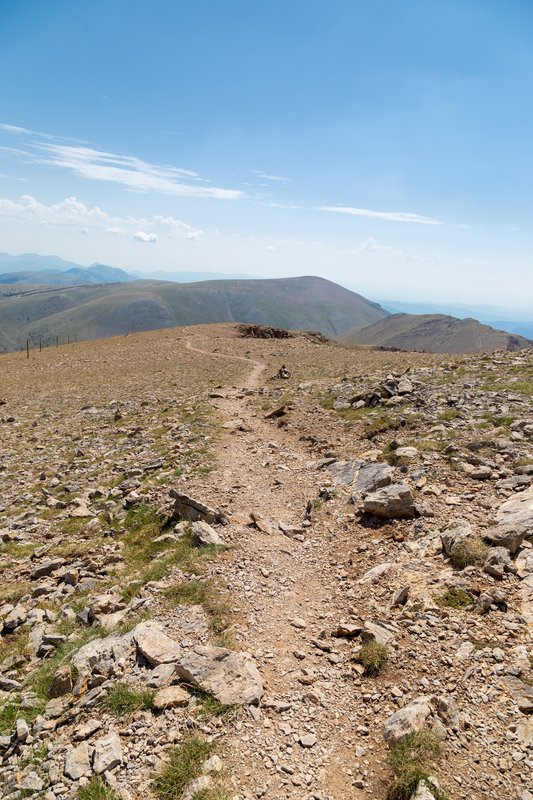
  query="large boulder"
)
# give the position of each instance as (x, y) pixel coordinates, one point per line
(514, 522)
(391, 502)
(370, 478)
(231, 677)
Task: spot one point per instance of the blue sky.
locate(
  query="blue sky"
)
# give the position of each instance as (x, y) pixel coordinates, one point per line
(382, 144)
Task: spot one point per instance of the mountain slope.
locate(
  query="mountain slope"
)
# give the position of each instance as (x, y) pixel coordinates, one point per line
(435, 333)
(75, 276)
(92, 312)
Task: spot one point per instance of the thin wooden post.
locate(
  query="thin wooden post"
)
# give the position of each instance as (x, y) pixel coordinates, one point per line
(68, 338)
(57, 341)
(27, 348)
(40, 344)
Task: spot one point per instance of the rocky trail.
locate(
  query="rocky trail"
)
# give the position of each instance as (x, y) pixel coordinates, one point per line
(296, 576)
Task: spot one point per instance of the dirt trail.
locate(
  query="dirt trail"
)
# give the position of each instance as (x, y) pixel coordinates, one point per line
(285, 591)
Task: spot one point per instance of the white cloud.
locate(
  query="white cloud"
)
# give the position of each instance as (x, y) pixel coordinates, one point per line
(266, 177)
(99, 165)
(84, 231)
(149, 238)
(389, 216)
(73, 213)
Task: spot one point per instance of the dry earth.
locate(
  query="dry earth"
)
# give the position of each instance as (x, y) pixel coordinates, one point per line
(316, 559)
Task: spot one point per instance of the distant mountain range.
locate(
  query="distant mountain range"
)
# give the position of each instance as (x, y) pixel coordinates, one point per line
(91, 312)
(31, 269)
(42, 297)
(435, 333)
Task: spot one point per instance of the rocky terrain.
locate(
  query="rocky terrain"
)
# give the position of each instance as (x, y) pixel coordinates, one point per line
(436, 333)
(222, 584)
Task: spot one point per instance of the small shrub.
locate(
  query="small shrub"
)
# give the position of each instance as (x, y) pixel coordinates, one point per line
(468, 553)
(373, 657)
(208, 595)
(124, 699)
(409, 760)
(454, 598)
(183, 765)
(96, 789)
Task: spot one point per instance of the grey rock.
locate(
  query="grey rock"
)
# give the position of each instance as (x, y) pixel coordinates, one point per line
(370, 478)
(77, 762)
(22, 730)
(107, 753)
(391, 502)
(188, 508)
(497, 562)
(202, 535)
(376, 572)
(231, 677)
(160, 676)
(376, 632)
(456, 533)
(61, 682)
(514, 522)
(32, 783)
(344, 472)
(47, 568)
(154, 644)
(171, 697)
(409, 719)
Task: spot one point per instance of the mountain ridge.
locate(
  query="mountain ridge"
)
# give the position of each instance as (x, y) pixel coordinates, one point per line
(436, 333)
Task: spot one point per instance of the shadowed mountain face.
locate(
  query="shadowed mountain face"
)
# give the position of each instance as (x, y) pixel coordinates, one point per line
(435, 333)
(91, 312)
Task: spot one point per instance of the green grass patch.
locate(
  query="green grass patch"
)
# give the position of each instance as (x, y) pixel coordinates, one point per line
(96, 789)
(125, 699)
(207, 594)
(41, 678)
(183, 765)
(454, 598)
(517, 387)
(373, 657)
(410, 760)
(470, 552)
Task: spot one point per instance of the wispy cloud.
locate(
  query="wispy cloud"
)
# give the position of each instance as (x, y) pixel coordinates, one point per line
(266, 177)
(73, 213)
(99, 165)
(388, 216)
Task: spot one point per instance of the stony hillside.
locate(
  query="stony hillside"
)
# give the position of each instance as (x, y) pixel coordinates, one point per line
(218, 584)
(92, 312)
(436, 333)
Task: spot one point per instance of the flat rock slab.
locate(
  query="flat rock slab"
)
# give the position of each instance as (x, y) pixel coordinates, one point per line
(231, 677)
(154, 644)
(370, 478)
(171, 697)
(107, 753)
(344, 472)
(77, 762)
(514, 522)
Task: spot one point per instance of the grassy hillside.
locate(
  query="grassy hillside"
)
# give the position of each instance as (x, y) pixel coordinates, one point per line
(435, 333)
(91, 312)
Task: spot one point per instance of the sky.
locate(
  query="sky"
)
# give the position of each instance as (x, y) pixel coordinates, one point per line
(383, 145)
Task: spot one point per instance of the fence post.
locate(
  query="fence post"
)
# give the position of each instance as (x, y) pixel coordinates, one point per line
(57, 341)
(40, 344)
(27, 348)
